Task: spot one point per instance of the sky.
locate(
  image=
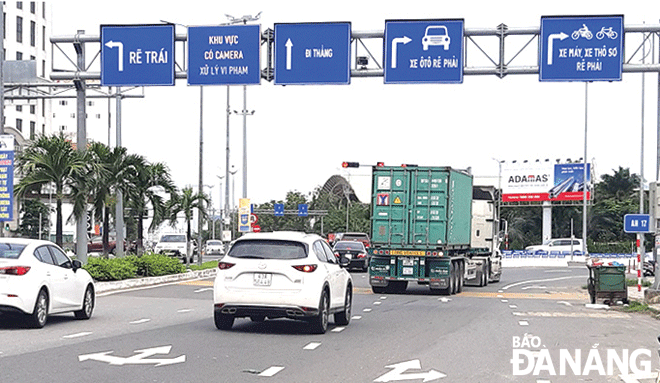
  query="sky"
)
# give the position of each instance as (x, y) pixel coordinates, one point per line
(299, 135)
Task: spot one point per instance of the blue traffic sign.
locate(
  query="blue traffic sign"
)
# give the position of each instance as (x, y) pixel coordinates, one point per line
(637, 223)
(302, 210)
(278, 209)
(224, 55)
(588, 48)
(316, 53)
(423, 51)
(137, 55)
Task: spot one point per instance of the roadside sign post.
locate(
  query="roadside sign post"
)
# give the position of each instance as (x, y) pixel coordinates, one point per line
(640, 224)
(312, 53)
(224, 55)
(137, 55)
(423, 51)
(581, 48)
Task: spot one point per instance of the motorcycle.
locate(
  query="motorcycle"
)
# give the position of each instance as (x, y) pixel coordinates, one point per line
(649, 268)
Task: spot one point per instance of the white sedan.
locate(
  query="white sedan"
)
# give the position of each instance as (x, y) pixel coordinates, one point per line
(37, 279)
(282, 275)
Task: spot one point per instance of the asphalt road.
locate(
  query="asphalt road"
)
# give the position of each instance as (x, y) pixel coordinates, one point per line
(166, 334)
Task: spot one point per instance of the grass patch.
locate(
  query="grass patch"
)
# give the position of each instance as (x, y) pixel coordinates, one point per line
(633, 282)
(204, 266)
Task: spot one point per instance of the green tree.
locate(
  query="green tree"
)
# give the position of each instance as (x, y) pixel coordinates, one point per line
(35, 216)
(52, 160)
(186, 203)
(148, 180)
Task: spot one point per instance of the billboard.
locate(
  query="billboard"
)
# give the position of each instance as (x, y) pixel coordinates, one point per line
(544, 181)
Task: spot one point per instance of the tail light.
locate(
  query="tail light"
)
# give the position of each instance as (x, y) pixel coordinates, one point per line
(305, 268)
(361, 255)
(337, 254)
(14, 270)
(225, 265)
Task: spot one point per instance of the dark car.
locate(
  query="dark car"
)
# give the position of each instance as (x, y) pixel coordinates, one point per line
(362, 237)
(95, 245)
(358, 252)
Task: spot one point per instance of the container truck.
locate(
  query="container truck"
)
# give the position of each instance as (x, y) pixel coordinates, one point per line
(430, 225)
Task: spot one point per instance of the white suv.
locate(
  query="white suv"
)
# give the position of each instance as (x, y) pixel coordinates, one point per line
(558, 244)
(282, 275)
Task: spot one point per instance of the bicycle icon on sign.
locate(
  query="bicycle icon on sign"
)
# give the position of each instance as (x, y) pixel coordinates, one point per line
(583, 32)
(606, 32)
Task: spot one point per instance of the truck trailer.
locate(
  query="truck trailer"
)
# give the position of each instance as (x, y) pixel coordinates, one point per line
(430, 225)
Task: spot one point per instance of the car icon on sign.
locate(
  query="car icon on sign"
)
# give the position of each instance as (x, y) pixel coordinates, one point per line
(436, 35)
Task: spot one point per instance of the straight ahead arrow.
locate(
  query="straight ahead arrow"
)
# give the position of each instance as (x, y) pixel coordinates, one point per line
(288, 45)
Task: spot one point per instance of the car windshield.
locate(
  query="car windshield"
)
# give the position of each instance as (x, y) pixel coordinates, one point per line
(349, 246)
(268, 249)
(214, 243)
(437, 31)
(173, 238)
(11, 250)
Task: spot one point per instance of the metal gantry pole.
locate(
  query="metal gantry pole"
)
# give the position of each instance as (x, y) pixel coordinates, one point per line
(81, 143)
(119, 216)
(227, 159)
(586, 185)
(200, 208)
(244, 141)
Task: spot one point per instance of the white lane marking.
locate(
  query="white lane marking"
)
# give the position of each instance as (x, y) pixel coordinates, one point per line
(444, 300)
(143, 320)
(203, 289)
(270, 371)
(356, 317)
(500, 296)
(505, 301)
(523, 323)
(367, 310)
(500, 291)
(77, 335)
(545, 314)
(184, 310)
(565, 303)
(513, 306)
(312, 346)
(533, 287)
(543, 381)
(377, 303)
(384, 297)
(140, 357)
(538, 281)
(338, 329)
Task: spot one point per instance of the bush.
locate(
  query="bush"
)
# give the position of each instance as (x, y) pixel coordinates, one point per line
(110, 269)
(154, 265)
(148, 265)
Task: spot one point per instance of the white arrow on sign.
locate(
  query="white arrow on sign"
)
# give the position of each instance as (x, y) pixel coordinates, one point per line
(551, 39)
(117, 44)
(288, 45)
(400, 368)
(141, 357)
(395, 42)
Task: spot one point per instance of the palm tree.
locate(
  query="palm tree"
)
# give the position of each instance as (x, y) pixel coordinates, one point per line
(148, 179)
(185, 203)
(118, 170)
(52, 160)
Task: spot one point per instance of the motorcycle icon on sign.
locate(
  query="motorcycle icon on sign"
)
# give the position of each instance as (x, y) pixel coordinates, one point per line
(582, 32)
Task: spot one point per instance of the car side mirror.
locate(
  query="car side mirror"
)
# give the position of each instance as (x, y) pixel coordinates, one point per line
(345, 260)
(76, 264)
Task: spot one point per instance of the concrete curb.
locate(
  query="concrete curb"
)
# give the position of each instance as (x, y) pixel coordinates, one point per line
(103, 287)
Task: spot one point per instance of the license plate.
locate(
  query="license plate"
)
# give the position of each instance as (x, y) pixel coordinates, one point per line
(407, 271)
(408, 261)
(262, 279)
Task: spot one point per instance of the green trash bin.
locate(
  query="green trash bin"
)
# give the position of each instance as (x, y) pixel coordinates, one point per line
(608, 283)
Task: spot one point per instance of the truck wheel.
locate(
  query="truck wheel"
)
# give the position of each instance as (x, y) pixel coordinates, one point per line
(459, 277)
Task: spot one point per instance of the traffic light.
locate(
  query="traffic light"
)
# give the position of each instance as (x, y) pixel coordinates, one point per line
(350, 164)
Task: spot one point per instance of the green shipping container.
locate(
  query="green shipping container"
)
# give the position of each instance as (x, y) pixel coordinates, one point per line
(421, 207)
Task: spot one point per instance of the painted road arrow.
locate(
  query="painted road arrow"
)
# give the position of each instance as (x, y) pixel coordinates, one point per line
(141, 357)
(399, 369)
(117, 44)
(551, 39)
(395, 42)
